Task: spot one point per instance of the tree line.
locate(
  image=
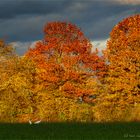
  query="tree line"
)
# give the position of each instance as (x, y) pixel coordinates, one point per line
(62, 79)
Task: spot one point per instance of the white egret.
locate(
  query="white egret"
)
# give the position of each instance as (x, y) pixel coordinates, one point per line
(37, 122)
(30, 122)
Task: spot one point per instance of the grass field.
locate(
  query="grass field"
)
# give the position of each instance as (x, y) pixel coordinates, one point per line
(70, 131)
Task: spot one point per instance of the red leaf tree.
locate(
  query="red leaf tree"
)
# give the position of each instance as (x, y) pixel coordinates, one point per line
(66, 61)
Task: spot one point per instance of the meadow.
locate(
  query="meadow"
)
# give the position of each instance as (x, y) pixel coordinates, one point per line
(71, 131)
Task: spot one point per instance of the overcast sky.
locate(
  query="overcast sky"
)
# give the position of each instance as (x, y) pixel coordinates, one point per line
(23, 20)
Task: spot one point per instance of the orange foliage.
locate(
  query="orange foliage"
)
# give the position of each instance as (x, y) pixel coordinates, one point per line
(124, 57)
(61, 79)
(65, 59)
(122, 82)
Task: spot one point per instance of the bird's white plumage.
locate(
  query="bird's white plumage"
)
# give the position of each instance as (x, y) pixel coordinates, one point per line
(30, 122)
(37, 122)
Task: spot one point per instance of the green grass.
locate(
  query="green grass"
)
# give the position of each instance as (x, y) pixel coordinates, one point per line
(70, 131)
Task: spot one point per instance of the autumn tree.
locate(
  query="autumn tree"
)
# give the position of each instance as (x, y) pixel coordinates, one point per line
(23, 97)
(18, 86)
(54, 108)
(122, 82)
(65, 60)
(6, 53)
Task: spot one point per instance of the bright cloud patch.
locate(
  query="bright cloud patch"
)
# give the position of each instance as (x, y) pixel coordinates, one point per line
(126, 2)
(99, 44)
(22, 47)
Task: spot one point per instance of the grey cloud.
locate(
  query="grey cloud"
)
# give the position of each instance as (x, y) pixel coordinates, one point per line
(106, 24)
(22, 47)
(23, 20)
(99, 19)
(13, 8)
(126, 2)
(29, 28)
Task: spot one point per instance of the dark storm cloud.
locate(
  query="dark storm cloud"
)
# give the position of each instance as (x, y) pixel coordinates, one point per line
(13, 8)
(101, 22)
(98, 19)
(23, 20)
